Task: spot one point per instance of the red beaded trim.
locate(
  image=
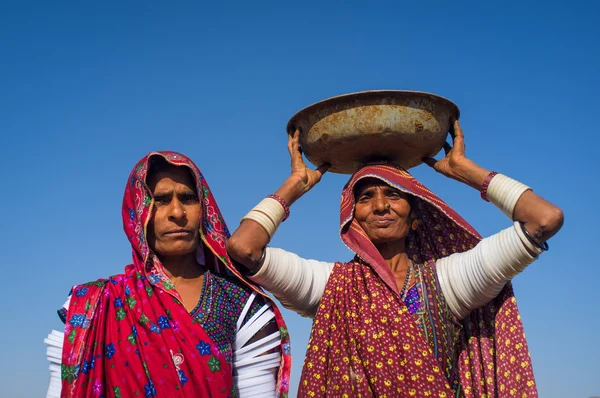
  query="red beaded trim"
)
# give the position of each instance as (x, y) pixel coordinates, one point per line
(283, 203)
(486, 184)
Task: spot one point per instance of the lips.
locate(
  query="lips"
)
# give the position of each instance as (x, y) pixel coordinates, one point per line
(178, 233)
(382, 222)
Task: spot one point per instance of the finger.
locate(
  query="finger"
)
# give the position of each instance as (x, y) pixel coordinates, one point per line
(293, 142)
(458, 130)
(458, 139)
(322, 169)
(296, 142)
(292, 139)
(297, 161)
(429, 162)
(289, 145)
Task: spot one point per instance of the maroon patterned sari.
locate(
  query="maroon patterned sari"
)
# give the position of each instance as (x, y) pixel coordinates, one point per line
(365, 342)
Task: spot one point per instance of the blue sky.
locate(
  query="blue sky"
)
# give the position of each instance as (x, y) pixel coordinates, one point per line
(89, 87)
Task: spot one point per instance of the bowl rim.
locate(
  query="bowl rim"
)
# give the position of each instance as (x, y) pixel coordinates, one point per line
(365, 94)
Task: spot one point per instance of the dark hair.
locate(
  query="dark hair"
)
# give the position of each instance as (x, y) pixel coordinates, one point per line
(159, 164)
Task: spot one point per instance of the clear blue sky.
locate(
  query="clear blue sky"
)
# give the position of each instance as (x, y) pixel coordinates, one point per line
(87, 88)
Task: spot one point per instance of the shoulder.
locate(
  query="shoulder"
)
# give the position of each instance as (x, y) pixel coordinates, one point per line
(83, 296)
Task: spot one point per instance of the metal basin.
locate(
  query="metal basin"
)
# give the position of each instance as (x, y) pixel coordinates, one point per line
(394, 126)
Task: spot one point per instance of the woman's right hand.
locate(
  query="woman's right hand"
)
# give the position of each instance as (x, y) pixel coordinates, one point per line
(302, 178)
(247, 244)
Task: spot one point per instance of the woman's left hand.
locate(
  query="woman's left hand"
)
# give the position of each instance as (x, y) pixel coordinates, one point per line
(455, 164)
(455, 154)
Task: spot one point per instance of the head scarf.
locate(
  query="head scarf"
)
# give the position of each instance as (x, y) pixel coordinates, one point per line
(364, 342)
(130, 335)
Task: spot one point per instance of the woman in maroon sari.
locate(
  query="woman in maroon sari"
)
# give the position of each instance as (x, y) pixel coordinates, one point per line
(180, 321)
(426, 308)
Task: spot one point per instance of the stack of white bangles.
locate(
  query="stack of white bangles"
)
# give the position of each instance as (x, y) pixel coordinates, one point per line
(269, 213)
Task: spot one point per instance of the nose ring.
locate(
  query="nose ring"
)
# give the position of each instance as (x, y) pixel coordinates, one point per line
(387, 206)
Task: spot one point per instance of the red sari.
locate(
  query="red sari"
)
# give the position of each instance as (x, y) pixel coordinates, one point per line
(365, 343)
(129, 335)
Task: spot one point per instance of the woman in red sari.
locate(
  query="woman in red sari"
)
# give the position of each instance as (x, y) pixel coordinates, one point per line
(425, 308)
(180, 321)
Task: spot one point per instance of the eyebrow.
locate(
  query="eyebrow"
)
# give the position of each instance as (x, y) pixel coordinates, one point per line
(163, 193)
(386, 188)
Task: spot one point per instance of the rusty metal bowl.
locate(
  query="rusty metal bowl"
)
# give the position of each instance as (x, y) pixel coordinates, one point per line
(394, 126)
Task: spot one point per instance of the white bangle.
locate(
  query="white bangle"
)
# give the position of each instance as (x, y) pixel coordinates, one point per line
(269, 213)
(263, 220)
(504, 192)
(526, 242)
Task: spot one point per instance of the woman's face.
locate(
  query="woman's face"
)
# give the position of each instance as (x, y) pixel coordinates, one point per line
(174, 227)
(383, 212)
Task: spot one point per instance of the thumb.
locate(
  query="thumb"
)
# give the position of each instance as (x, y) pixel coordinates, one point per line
(429, 162)
(322, 169)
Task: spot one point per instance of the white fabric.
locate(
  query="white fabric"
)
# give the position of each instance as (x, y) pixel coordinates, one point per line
(296, 282)
(468, 280)
(504, 192)
(54, 344)
(255, 373)
(473, 278)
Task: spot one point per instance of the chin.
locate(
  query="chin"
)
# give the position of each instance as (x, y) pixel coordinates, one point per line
(178, 251)
(380, 240)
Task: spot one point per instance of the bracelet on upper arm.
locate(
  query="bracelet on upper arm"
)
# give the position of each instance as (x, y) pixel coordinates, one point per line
(504, 192)
(527, 238)
(244, 270)
(258, 263)
(269, 213)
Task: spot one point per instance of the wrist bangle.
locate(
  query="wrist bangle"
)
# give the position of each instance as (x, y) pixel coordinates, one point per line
(283, 203)
(486, 184)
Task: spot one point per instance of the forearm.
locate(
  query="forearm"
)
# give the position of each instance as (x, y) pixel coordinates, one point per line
(541, 218)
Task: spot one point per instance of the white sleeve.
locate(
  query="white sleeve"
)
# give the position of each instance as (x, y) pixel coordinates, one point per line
(473, 278)
(54, 345)
(297, 283)
(254, 371)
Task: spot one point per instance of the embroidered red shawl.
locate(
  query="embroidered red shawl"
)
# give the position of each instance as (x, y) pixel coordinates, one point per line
(129, 335)
(365, 343)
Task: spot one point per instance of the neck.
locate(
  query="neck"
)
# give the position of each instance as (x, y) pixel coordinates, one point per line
(395, 256)
(182, 267)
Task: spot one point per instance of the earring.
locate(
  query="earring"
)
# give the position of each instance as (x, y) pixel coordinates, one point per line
(415, 225)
